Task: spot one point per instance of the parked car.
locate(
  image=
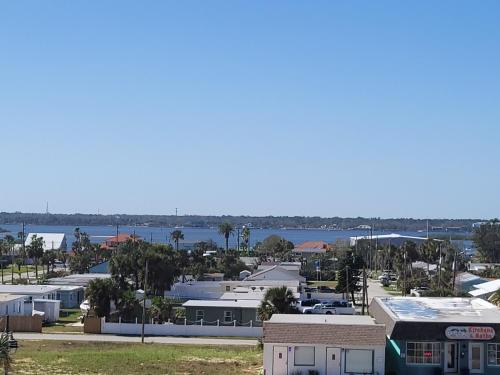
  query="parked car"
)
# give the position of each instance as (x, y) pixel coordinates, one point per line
(419, 292)
(334, 308)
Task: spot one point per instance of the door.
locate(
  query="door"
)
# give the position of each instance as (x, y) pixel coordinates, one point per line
(476, 358)
(280, 360)
(450, 357)
(333, 361)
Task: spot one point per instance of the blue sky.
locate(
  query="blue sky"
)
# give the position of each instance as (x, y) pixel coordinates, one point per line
(251, 107)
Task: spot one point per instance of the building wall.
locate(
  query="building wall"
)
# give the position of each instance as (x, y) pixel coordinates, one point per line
(212, 314)
(13, 308)
(70, 299)
(396, 362)
(320, 357)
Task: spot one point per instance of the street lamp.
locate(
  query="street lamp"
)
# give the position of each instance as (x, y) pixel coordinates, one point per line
(13, 345)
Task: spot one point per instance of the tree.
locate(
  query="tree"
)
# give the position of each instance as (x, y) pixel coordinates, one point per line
(245, 236)
(279, 300)
(486, 239)
(429, 252)
(11, 242)
(495, 298)
(349, 272)
(231, 265)
(127, 305)
(35, 251)
(5, 357)
(161, 309)
(84, 252)
(226, 229)
(276, 247)
(176, 236)
(100, 293)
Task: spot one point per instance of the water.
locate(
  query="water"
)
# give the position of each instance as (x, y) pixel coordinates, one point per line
(161, 234)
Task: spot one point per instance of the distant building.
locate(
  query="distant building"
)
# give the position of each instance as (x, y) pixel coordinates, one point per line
(386, 239)
(486, 289)
(51, 241)
(227, 312)
(113, 242)
(276, 273)
(308, 248)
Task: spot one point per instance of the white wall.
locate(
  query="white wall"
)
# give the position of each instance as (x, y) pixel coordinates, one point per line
(320, 357)
(179, 330)
(15, 307)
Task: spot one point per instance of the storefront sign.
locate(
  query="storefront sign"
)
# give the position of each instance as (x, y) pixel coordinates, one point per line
(469, 333)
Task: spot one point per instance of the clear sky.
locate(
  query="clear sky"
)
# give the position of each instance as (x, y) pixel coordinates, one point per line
(349, 108)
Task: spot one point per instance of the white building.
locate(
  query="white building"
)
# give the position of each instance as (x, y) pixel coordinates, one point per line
(51, 241)
(328, 344)
(11, 304)
(29, 293)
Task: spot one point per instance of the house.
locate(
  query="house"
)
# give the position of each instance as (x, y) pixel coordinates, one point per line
(439, 335)
(102, 267)
(47, 308)
(328, 344)
(114, 241)
(393, 239)
(11, 304)
(276, 273)
(225, 312)
(29, 293)
(51, 241)
(465, 281)
(478, 267)
(71, 296)
(82, 279)
(485, 290)
(309, 248)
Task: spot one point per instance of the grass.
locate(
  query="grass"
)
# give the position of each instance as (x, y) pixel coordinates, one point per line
(66, 317)
(329, 284)
(392, 290)
(71, 358)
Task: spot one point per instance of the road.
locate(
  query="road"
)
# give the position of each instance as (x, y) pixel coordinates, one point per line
(375, 289)
(133, 339)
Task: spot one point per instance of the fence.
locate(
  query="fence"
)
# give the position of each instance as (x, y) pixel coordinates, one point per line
(186, 329)
(21, 323)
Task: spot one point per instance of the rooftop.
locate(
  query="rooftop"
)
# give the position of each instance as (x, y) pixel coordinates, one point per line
(5, 297)
(51, 241)
(27, 289)
(440, 309)
(250, 304)
(312, 246)
(485, 288)
(322, 319)
(78, 279)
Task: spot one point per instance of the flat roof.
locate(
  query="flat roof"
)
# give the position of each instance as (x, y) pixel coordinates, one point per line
(250, 304)
(322, 319)
(256, 296)
(27, 289)
(440, 309)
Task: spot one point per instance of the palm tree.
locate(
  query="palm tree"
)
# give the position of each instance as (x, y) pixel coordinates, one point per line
(161, 309)
(175, 236)
(5, 357)
(226, 229)
(35, 251)
(279, 300)
(100, 292)
(11, 241)
(495, 298)
(245, 236)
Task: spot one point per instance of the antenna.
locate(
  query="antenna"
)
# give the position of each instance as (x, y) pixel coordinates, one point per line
(176, 211)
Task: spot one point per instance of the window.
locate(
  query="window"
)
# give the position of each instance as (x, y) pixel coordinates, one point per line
(304, 356)
(228, 316)
(200, 314)
(494, 354)
(228, 288)
(423, 353)
(359, 361)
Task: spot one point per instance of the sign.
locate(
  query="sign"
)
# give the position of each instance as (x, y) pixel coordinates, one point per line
(469, 333)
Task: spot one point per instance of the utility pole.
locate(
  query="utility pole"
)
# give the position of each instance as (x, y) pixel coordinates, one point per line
(144, 300)
(404, 270)
(366, 295)
(364, 290)
(454, 266)
(238, 240)
(347, 282)
(439, 273)
(117, 232)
